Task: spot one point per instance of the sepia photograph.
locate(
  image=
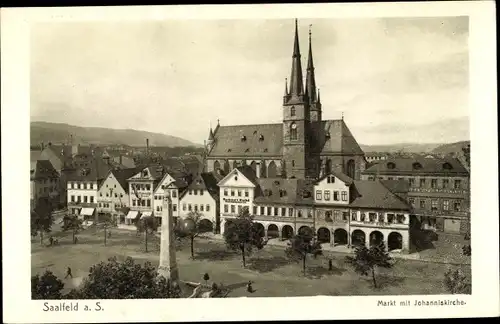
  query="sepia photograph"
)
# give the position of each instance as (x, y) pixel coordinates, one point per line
(237, 157)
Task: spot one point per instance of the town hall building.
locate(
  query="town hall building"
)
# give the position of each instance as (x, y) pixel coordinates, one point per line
(303, 146)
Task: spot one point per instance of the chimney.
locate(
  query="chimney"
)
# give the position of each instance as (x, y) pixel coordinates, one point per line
(147, 145)
(257, 169)
(121, 159)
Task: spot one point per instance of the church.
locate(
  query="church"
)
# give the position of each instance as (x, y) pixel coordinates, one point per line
(302, 146)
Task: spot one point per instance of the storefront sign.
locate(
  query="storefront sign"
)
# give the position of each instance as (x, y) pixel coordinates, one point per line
(236, 200)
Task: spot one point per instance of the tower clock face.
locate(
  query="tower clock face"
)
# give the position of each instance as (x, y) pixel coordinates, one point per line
(294, 126)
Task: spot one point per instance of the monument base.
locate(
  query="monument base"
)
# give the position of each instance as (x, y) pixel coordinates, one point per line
(171, 273)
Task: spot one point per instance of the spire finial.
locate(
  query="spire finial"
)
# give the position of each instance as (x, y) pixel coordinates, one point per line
(342, 115)
(310, 26)
(218, 122)
(286, 86)
(319, 99)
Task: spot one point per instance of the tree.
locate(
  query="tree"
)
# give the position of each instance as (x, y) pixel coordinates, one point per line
(147, 225)
(302, 245)
(190, 227)
(241, 234)
(125, 280)
(72, 223)
(456, 282)
(466, 249)
(106, 222)
(41, 217)
(206, 277)
(48, 286)
(366, 260)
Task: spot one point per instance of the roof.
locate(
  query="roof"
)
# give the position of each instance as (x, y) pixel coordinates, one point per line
(43, 169)
(373, 194)
(396, 186)
(248, 172)
(267, 140)
(206, 181)
(284, 191)
(340, 175)
(89, 169)
(428, 166)
(122, 176)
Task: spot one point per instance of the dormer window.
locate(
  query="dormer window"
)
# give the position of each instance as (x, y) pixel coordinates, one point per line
(391, 165)
(447, 166)
(243, 138)
(261, 137)
(417, 166)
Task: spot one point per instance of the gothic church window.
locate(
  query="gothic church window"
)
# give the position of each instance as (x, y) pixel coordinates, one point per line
(292, 111)
(293, 131)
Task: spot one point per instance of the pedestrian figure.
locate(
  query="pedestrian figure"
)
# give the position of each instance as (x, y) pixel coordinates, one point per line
(76, 240)
(109, 234)
(56, 242)
(249, 287)
(68, 273)
(51, 241)
(330, 265)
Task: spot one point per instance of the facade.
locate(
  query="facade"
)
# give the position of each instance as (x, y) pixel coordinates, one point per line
(202, 196)
(335, 208)
(113, 195)
(84, 176)
(439, 190)
(302, 146)
(173, 183)
(44, 181)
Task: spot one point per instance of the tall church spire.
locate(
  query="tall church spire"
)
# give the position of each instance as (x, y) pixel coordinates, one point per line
(310, 79)
(296, 83)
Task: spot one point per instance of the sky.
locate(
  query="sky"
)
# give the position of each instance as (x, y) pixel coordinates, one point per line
(395, 80)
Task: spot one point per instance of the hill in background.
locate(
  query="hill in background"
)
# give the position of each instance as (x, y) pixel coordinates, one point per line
(61, 133)
(451, 148)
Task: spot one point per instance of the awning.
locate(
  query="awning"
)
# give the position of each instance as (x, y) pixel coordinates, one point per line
(146, 214)
(132, 214)
(87, 211)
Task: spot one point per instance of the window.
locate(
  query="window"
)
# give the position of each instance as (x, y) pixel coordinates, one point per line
(116, 195)
(246, 193)
(345, 216)
(293, 163)
(239, 209)
(207, 208)
(401, 178)
(262, 211)
(184, 207)
(434, 204)
(148, 202)
(446, 183)
(283, 211)
(344, 195)
(226, 208)
(275, 211)
(134, 202)
(255, 210)
(434, 183)
(336, 195)
(225, 192)
(201, 208)
(293, 131)
(330, 179)
(157, 208)
(411, 201)
(92, 199)
(446, 205)
(422, 182)
(292, 111)
(327, 195)
(371, 178)
(457, 206)
(390, 178)
(174, 207)
(299, 213)
(400, 218)
(309, 215)
(72, 198)
(190, 208)
(381, 218)
(458, 184)
(390, 218)
(233, 209)
(174, 193)
(269, 211)
(148, 187)
(78, 185)
(422, 203)
(318, 195)
(239, 193)
(232, 193)
(201, 192)
(372, 217)
(196, 208)
(195, 192)
(190, 192)
(290, 212)
(354, 216)
(107, 194)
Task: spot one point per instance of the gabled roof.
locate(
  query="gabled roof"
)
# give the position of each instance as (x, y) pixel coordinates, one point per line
(43, 169)
(122, 176)
(396, 186)
(340, 175)
(284, 191)
(267, 140)
(205, 181)
(428, 166)
(89, 170)
(373, 194)
(245, 170)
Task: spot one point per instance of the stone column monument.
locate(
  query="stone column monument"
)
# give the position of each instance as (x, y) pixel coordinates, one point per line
(168, 262)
